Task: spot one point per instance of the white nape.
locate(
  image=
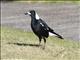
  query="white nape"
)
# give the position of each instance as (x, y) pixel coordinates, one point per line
(37, 17)
(51, 34)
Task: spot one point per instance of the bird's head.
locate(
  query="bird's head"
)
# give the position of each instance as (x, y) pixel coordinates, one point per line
(32, 13)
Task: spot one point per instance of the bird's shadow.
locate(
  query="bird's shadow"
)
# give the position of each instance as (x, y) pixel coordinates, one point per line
(25, 44)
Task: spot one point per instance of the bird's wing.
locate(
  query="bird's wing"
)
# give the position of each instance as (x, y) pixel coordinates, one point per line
(43, 28)
(43, 24)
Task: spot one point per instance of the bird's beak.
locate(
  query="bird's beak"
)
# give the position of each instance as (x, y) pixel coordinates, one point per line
(28, 13)
(25, 13)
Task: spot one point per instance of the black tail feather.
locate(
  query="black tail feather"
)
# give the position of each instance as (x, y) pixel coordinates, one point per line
(52, 31)
(59, 36)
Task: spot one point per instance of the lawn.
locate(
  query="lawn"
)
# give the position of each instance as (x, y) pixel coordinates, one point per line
(47, 1)
(20, 44)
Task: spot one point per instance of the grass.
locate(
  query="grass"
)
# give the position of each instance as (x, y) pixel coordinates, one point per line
(19, 44)
(47, 1)
(42, 0)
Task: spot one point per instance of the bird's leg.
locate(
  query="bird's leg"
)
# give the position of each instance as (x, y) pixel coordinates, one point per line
(44, 43)
(40, 41)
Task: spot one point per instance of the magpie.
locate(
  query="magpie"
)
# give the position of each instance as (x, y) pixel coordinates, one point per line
(40, 28)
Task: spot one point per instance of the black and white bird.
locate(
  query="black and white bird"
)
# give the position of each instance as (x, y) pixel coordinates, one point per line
(40, 28)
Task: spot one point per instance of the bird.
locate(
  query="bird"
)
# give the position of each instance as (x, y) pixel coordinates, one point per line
(40, 28)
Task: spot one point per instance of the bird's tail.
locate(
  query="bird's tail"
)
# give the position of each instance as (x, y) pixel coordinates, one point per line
(52, 31)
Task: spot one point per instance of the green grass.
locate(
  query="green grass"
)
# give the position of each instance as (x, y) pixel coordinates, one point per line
(42, 0)
(19, 44)
(48, 1)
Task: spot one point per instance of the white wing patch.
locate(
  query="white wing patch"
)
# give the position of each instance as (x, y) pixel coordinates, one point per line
(51, 34)
(41, 24)
(37, 17)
